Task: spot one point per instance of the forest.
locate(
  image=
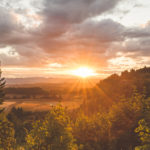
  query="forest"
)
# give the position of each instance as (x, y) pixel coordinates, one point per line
(114, 115)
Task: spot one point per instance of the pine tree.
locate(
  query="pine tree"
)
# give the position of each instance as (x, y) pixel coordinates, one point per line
(2, 85)
(7, 140)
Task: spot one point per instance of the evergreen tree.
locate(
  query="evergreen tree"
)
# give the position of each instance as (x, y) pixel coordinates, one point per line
(7, 140)
(2, 84)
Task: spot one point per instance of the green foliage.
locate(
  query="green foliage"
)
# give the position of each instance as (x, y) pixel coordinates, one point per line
(7, 140)
(143, 128)
(21, 123)
(123, 100)
(144, 131)
(115, 116)
(92, 133)
(53, 133)
(144, 147)
(123, 118)
(112, 89)
(112, 129)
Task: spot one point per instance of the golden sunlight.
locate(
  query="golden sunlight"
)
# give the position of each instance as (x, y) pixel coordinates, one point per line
(83, 72)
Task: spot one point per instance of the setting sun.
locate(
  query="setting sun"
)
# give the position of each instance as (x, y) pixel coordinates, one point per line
(83, 72)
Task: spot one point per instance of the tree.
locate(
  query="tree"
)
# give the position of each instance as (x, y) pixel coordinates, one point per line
(2, 84)
(143, 128)
(52, 133)
(7, 141)
(123, 118)
(92, 133)
(21, 122)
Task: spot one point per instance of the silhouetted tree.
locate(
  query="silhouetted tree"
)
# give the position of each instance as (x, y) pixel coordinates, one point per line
(7, 140)
(2, 85)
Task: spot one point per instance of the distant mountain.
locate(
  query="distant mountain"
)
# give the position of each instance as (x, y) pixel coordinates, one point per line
(37, 80)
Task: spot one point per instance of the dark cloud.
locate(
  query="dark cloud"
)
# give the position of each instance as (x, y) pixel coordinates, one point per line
(11, 32)
(7, 24)
(137, 33)
(60, 15)
(69, 34)
(140, 45)
(75, 11)
(102, 31)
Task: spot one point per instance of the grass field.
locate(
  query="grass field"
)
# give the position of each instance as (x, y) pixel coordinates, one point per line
(38, 105)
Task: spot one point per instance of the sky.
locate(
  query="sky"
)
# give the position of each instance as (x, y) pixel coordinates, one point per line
(47, 38)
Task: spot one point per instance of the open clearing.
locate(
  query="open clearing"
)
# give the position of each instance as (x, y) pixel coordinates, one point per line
(38, 105)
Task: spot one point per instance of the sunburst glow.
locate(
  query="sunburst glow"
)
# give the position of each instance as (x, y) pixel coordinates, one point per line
(83, 72)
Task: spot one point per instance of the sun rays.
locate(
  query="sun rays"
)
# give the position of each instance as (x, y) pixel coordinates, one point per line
(83, 72)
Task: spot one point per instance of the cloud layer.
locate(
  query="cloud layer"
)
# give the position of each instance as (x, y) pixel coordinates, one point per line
(65, 32)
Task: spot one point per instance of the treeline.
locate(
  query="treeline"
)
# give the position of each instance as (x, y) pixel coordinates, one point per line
(115, 115)
(26, 91)
(30, 92)
(110, 90)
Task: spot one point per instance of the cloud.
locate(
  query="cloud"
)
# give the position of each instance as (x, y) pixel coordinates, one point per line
(68, 35)
(138, 32)
(105, 30)
(7, 24)
(75, 11)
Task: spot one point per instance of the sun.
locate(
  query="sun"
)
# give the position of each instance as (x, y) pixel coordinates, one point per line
(83, 72)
